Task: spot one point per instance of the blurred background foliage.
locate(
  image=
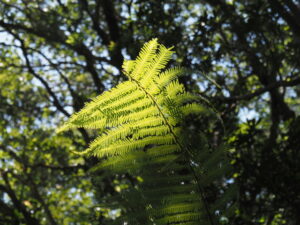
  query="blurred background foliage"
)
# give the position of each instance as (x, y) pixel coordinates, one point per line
(56, 55)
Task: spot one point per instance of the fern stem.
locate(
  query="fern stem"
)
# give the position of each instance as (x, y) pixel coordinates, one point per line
(183, 149)
(203, 198)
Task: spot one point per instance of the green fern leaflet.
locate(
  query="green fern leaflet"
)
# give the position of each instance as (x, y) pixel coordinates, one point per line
(141, 133)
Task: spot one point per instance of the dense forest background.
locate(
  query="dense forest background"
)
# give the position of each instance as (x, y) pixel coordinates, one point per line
(56, 55)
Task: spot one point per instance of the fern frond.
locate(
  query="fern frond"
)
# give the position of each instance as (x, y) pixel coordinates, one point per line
(165, 78)
(183, 218)
(124, 146)
(144, 59)
(174, 89)
(158, 63)
(140, 125)
(128, 66)
(193, 108)
(179, 208)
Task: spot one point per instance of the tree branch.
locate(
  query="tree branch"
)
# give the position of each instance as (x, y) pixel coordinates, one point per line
(114, 32)
(37, 195)
(18, 204)
(59, 37)
(8, 211)
(289, 18)
(95, 21)
(260, 91)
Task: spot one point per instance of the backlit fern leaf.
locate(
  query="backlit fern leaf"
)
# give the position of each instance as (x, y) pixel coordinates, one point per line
(141, 134)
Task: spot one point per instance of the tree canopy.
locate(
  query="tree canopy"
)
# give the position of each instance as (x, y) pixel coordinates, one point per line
(243, 61)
